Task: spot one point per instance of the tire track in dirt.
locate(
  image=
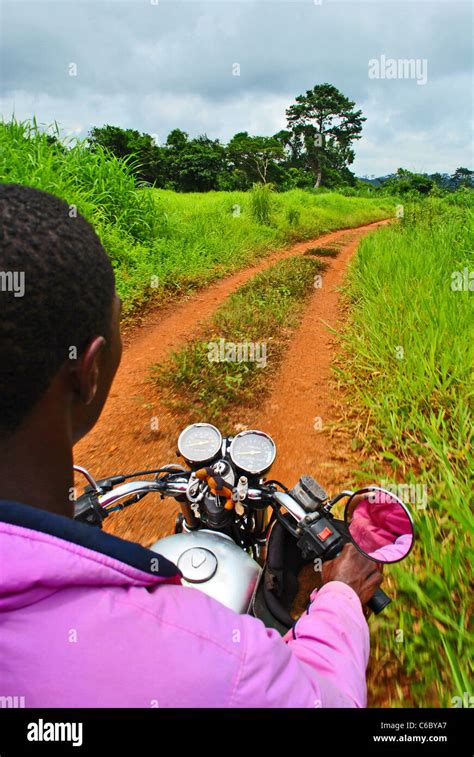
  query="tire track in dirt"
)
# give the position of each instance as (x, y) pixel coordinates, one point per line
(305, 402)
(124, 440)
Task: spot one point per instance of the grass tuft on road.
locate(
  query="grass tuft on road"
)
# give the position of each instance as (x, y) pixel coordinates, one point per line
(323, 252)
(258, 320)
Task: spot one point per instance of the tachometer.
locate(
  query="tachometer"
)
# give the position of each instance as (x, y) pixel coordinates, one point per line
(199, 442)
(253, 451)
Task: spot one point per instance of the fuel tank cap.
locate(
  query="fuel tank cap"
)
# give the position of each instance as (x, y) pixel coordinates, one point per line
(197, 564)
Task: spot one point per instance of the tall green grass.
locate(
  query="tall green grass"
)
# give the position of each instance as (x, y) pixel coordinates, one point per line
(102, 188)
(409, 355)
(261, 204)
(160, 242)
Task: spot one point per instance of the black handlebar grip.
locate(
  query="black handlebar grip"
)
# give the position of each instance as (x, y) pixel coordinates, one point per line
(379, 601)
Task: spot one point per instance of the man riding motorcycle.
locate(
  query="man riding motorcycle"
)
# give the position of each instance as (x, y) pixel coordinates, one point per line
(90, 620)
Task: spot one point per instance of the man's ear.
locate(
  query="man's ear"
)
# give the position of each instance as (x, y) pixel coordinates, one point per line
(86, 370)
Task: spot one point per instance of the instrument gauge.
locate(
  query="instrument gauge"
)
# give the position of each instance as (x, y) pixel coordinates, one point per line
(253, 451)
(199, 442)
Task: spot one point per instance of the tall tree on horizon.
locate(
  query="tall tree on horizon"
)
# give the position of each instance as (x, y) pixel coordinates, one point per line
(324, 124)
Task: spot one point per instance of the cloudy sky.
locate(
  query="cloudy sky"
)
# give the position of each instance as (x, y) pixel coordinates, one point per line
(223, 66)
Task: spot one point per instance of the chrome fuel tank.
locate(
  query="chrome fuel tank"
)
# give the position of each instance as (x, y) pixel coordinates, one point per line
(213, 563)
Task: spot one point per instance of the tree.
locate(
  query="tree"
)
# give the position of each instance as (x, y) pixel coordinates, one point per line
(292, 148)
(147, 164)
(462, 177)
(256, 156)
(405, 181)
(442, 180)
(194, 165)
(177, 139)
(324, 124)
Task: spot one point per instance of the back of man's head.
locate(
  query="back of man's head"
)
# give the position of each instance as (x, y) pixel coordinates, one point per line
(56, 294)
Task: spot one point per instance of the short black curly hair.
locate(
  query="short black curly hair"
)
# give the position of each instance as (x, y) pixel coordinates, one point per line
(56, 292)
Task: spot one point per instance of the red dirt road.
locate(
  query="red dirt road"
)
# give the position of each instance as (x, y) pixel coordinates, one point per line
(305, 405)
(124, 439)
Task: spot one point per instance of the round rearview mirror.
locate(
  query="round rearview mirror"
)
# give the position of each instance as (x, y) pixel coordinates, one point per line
(379, 524)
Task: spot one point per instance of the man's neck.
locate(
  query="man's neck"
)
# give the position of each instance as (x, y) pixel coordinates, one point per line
(36, 468)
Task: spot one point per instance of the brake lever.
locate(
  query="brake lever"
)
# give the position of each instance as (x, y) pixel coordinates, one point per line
(106, 484)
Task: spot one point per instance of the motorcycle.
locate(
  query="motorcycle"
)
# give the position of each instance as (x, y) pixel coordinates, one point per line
(243, 539)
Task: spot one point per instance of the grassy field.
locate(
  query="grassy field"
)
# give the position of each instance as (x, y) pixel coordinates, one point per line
(161, 242)
(409, 355)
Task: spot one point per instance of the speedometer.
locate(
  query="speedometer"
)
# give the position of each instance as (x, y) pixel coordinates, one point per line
(199, 442)
(253, 451)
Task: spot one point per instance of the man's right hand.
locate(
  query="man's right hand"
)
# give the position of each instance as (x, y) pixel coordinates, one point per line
(355, 570)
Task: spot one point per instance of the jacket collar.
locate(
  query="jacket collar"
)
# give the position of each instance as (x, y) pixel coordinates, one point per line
(89, 537)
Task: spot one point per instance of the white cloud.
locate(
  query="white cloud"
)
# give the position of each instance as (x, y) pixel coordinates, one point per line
(157, 67)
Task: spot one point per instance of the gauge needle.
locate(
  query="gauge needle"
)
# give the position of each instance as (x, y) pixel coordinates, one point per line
(197, 444)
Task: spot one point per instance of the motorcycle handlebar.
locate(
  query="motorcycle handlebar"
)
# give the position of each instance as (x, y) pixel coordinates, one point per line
(179, 486)
(379, 601)
(132, 488)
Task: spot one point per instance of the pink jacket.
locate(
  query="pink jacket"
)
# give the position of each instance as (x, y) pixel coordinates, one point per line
(86, 621)
(393, 552)
(377, 523)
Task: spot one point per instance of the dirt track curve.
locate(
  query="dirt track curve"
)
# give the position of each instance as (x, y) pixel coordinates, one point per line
(301, 393)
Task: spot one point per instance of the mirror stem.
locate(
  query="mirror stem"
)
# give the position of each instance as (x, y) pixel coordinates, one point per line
(334, 500)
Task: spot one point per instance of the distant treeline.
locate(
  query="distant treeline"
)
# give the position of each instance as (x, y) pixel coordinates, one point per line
(201, 164)
(405, 181)
(315, 150)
